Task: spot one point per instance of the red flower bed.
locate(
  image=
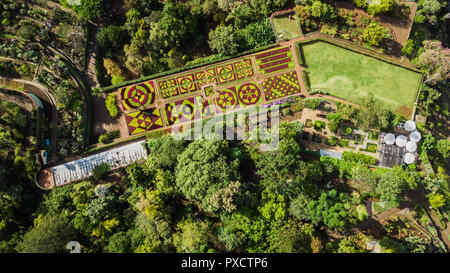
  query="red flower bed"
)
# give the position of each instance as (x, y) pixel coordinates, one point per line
(283, 61)
(272, 69)
(273, 58)
(270, 53)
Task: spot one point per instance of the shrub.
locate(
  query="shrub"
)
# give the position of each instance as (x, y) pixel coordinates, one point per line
(318, 125)
(347, 131)
(309, 124)
(332, 141)
(358, 157)
(372, 148)
(111, 105)
(99, 171)
(109, 137)
(312, 103)
(297, 106)
(287, 111)
(344, 142)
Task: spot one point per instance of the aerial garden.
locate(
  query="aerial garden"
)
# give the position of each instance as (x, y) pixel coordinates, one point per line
(209, 90)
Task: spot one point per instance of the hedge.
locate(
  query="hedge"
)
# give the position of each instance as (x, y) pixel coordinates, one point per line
(358, 157)
(185, 68)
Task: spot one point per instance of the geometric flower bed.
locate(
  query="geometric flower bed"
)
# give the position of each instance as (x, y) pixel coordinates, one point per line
(138, 95)
(182, 84)
(230, 72)
(274, 60)
(186, 110)
(281, 86)
(238, 96)
(142, 121)
(227, 100)
(249, 94)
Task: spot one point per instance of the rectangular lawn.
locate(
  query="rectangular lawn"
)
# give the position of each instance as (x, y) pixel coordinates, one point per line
(290, 28)
(350, 75)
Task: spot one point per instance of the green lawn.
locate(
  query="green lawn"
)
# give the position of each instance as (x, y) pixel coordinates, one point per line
(350, 75)
(289, 28)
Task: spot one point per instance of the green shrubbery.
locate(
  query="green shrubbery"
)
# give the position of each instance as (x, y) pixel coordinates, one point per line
(111, 105)
(109, 137)
(358, 157)
(319, 125)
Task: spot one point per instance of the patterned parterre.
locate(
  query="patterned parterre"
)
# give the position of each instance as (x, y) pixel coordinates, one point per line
(142, 121)
(274, 60)
(181, 84)
(281, 85)
(138, 95)
(238, 96)
(230, 72)
(186, 110)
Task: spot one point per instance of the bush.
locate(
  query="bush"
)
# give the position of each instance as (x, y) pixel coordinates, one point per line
(287, 111)
(371, 148)
(297, 106)
(344, 142)
(109, 137)
(312, 103)
(309, 124)
(358, 157)
(347, 131)
(111, 105)
(318, 125)
(332, 141)
(99, 171)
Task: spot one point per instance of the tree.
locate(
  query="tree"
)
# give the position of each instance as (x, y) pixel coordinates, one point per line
(27, 30)
(176, 25)
(192, 236)
(224, 40)
(375, 33)
(372, 114)
(99, 171)
(329, 209)
(443, 147)
(322, 10)
(88, 9)
(347, 246)
(101, 208)
(362, 174)
(431, 6)
(226, 5)
(360, 3)
(299, 207)
(437, 200)
(164, 151)
(292, 237)
(434, 61)
(111, 38)
(203, 169)
(390, 186)
(258, 34)
(119, 243)
(50, 235)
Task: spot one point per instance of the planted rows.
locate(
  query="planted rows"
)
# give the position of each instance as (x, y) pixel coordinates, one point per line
(275, 60)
